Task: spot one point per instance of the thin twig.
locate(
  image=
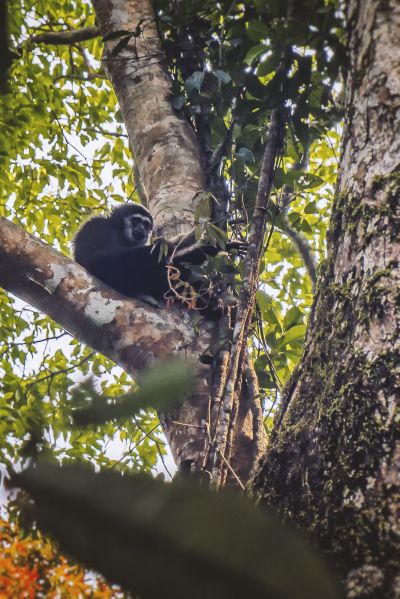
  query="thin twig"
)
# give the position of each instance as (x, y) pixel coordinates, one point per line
(249, 287)
(132, 449)
(231, 470)
(259, 438)
(304, 250)
(66, 37)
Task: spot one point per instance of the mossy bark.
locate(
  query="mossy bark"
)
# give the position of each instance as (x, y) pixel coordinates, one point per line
(333, 461)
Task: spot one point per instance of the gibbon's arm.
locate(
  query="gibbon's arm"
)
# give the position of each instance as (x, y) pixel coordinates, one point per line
(197, 253)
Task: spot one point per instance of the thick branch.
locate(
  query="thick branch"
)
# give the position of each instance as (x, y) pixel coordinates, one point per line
(72, 36)
(129, 332)
(165, 147)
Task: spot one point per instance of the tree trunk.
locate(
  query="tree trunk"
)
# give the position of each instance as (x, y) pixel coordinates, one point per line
(167, 156)
(169, 166)
(332, 465)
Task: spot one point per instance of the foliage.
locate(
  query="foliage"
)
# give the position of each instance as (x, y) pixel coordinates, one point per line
(181, 531)
(64, 154)
(225, 61)
(59, 165)
(163, 387)
(32, 566)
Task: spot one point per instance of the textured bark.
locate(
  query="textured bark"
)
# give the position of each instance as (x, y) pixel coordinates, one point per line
(165, 147)
(70, 36)
(129, 332)
(333, 462)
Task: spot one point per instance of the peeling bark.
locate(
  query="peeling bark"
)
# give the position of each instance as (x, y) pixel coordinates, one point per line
(129, 332)
(333, 463)
(165, 147)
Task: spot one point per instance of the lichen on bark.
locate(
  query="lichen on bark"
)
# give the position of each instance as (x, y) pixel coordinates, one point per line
(333, 461)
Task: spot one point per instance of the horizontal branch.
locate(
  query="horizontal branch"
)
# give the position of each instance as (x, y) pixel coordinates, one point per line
(129, 332)
(70, 36)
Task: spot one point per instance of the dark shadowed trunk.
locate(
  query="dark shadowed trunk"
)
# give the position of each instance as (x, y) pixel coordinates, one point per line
(333, 461)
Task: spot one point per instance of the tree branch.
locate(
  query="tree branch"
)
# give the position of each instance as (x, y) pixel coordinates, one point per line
(129, 332)
(70, 36)
(297, 238)
(246, 300)
(253, 393)
(304, 250)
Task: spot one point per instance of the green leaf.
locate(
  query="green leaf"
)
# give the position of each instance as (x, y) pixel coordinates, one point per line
(163, 386)
(255, 52)
(265, 380)
(263, 300)
(195, 81)
(218, 235)
(178, 102)
(293, 334)
(116, 34)
(222, 75)
(121, 45)
(294, 219)
(257, 30)
(203, 209)
(131, 527)
(312, 181)
(293, 316)
(305, 226)
(246, 155)
(267, 66)
(311, 208)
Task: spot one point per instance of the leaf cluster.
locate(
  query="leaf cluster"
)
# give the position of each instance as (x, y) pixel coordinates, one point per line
(225, 60)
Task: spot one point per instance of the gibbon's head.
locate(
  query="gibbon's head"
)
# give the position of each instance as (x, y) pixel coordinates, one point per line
(135, 223)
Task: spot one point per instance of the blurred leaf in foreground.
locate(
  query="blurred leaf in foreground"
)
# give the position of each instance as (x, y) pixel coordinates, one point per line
(173, 540)
(163, 386)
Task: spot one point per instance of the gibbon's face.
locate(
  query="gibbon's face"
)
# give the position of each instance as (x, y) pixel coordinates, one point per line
(136, 229)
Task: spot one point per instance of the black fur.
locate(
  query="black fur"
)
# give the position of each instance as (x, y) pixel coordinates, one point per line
(114, 250)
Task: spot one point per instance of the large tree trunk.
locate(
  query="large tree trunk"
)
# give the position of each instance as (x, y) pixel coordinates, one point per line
(332, 465)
